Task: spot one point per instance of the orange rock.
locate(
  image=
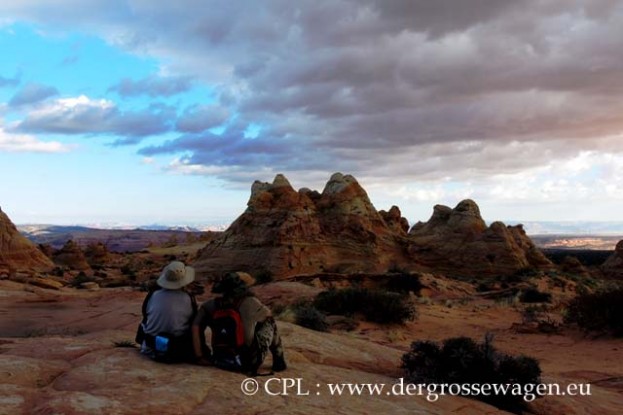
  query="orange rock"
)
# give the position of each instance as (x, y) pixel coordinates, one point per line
(17, 252)
(71, 256)
(288, 233)
(457, 241)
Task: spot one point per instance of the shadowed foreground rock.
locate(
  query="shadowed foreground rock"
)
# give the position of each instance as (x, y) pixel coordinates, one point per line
(72, 366)
(87, 375)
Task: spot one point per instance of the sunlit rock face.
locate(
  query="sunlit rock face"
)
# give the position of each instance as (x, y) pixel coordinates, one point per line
(288, 232)
(291, 232)
(17, 253)
(458, 241)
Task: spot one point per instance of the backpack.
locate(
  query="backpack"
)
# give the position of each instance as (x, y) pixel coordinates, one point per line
(227, 336)
(166, 347)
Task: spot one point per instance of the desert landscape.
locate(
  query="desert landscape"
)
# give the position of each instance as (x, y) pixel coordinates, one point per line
(69, 313)
(418, 201)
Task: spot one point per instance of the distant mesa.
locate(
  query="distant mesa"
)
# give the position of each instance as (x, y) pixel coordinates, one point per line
(17, 252)
(613, 266)
(288, 232)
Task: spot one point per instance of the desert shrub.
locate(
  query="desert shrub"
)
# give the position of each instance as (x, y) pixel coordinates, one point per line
(461, 360)
(375, 305)
(124, 344)
(486, 286)
(80, 278)
(58, 272)
(264, 276)
(404, 283)
(533, 295)
(309, 316)
(600, 311)
(128, 270)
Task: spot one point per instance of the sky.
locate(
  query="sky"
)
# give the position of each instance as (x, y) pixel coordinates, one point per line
(142, 112)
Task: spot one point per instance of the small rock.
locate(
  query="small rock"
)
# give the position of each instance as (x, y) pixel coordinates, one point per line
(46, 283)
(91, 286)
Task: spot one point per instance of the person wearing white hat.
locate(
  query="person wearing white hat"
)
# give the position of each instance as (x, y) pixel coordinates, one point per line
(168, 313)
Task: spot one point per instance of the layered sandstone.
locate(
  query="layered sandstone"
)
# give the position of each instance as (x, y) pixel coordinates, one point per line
(71, 256)
(458, 241)
(97, 254)
(18, 253)
(613, 266)
(287, 232)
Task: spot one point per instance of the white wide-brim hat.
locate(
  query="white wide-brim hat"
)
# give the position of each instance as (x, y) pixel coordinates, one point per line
(176, 275)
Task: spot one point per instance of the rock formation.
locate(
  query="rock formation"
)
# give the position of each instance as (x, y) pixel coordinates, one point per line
(71, 256)
(613, 266)
(287, 232)
(16, 252)
(395, 221)
(458, 241)
(97, 254)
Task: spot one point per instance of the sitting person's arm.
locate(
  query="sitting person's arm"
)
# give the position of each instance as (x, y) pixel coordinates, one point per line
(252, 311)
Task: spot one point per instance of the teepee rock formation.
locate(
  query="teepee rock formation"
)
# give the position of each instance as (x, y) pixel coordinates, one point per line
(71, 256)
(458, 241)
(287, 232)
(17, 253)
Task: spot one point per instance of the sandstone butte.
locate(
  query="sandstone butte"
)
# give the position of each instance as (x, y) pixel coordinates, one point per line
(291, 233)
(71, 256)
(17, 253)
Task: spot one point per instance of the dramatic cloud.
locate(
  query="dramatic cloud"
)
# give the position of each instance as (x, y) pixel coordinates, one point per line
(407, 91)
(197, 119)
(153, 86)
(32, 93)
(83, 115)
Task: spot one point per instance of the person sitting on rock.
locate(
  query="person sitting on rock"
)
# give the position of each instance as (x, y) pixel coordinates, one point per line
(242, 328)
(168, 312)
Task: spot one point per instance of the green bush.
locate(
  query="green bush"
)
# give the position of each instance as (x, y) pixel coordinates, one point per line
(375, 305)
(461, 360)
(80, 278)
(404, 283)
(309, 316)
(600, 311)
(533, 295)
(264, 276)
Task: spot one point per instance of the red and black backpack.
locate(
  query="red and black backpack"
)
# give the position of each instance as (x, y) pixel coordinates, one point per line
(227, 335)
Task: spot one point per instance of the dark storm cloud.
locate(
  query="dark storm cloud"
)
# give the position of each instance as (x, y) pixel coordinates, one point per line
(378, 85)
(153, 86)
(197, 119)
(32, 93)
